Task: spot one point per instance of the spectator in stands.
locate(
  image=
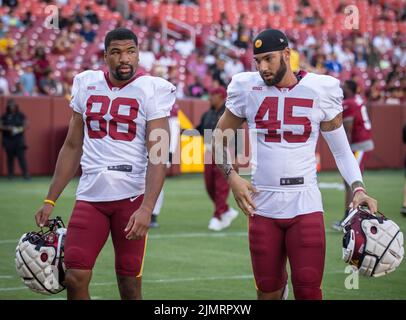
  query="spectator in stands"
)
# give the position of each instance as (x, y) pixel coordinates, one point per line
(165, 60)
(372, 56)
(22, 51)
(7, 43)
(332, 64)
(218, 72)
(215, 182)
(197, 66)
(319, 63)
(27, 19)
(11, 19)
(4, 89)
(146, 56)
(243, 34)
(27, 80)
(13, 125)
(233, 66)
(382, 43)
(374, 92)
(48, 85)
(347, 58)
(63, 44)
(184, 46)
(17, 89)
(11, 3)
(3, 29)
(90, 15)
(196, 89)
(40, 63)
(87, 32)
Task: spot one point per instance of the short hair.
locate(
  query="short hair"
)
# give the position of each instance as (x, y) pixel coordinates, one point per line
(352, 85)
(119, 34)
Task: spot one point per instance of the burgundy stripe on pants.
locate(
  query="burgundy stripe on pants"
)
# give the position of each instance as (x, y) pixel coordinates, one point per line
(217, 188)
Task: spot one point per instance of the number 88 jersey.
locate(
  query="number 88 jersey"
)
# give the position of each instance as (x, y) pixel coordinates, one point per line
(284, 126)
(114, 155)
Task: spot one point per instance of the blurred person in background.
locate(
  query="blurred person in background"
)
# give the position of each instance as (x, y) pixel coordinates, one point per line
(357, 127)
(216, 184)
(13, 124)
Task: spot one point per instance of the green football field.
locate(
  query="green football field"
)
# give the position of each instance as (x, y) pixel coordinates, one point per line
(186, 261)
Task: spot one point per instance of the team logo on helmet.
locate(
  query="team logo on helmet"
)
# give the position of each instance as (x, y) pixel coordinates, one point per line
(372, 243)
(39, 258)
(258, 43)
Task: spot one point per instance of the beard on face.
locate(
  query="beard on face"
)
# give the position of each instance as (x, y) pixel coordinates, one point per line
(123, 77)
(278, 75)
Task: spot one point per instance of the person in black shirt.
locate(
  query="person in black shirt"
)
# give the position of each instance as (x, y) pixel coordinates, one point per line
(403, 209)
(216, 184)
(13, 124)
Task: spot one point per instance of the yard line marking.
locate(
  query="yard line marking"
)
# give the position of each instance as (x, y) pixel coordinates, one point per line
(331, 185)
(173, 235)
(239, 277)
(62, 298)
(8, 241)
(185, 235)
(6, 277)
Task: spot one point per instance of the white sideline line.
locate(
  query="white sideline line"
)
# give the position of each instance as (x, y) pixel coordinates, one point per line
(6, 277)
(172, 236)
(241, 277)
(181, 235)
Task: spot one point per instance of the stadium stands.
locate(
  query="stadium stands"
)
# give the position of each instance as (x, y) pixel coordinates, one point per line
(223, 29)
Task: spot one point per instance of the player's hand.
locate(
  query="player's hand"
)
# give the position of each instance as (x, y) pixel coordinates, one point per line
(138, 224)
(43, 214)
(242, 190)
(361, 198)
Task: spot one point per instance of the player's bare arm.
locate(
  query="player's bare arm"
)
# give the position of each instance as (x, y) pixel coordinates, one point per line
(66, 166)
(241, 188)
(139, 222)
(336, 141)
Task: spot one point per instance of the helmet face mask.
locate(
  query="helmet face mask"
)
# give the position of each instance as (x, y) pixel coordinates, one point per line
(371, 243)
(39, 258)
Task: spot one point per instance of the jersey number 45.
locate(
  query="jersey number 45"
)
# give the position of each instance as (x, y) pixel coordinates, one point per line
(270, 106)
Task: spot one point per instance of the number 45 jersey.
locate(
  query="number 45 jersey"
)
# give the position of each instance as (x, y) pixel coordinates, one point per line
(284, 127)
(114, 158)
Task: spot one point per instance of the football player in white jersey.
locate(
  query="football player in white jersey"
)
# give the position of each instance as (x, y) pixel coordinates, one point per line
(118, 131)
(285, 113)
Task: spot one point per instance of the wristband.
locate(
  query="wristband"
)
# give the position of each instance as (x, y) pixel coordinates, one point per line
(358, 189)
(52, 203)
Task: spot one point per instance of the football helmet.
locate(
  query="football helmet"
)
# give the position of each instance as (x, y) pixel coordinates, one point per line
(39, 258)
(372, 243)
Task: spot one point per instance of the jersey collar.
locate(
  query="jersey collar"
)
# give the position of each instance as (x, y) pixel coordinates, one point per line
(111, 86)
(299, 76)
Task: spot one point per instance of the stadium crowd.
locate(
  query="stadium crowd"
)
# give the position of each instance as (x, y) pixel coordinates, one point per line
(38, 61)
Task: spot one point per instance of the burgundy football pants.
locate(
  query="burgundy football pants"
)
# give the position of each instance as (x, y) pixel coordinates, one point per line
(302, 240)
(89, 228)
(217, 188)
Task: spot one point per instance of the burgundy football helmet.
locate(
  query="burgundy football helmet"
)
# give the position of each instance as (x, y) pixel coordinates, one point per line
(39, 258)
(371, 243)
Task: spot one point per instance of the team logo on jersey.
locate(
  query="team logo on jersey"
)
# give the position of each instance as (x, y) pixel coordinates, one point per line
(91, 87)
(257, 88)
(258, 43)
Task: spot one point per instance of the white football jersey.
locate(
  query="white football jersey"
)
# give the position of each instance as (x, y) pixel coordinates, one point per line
(284, 127)
(114, 158)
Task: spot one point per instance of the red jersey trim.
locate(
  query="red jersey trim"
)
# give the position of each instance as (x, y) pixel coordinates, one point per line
(300, 75)
(111, 86)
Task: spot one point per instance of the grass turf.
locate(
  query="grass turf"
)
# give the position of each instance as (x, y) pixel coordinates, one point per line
(186, 261)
